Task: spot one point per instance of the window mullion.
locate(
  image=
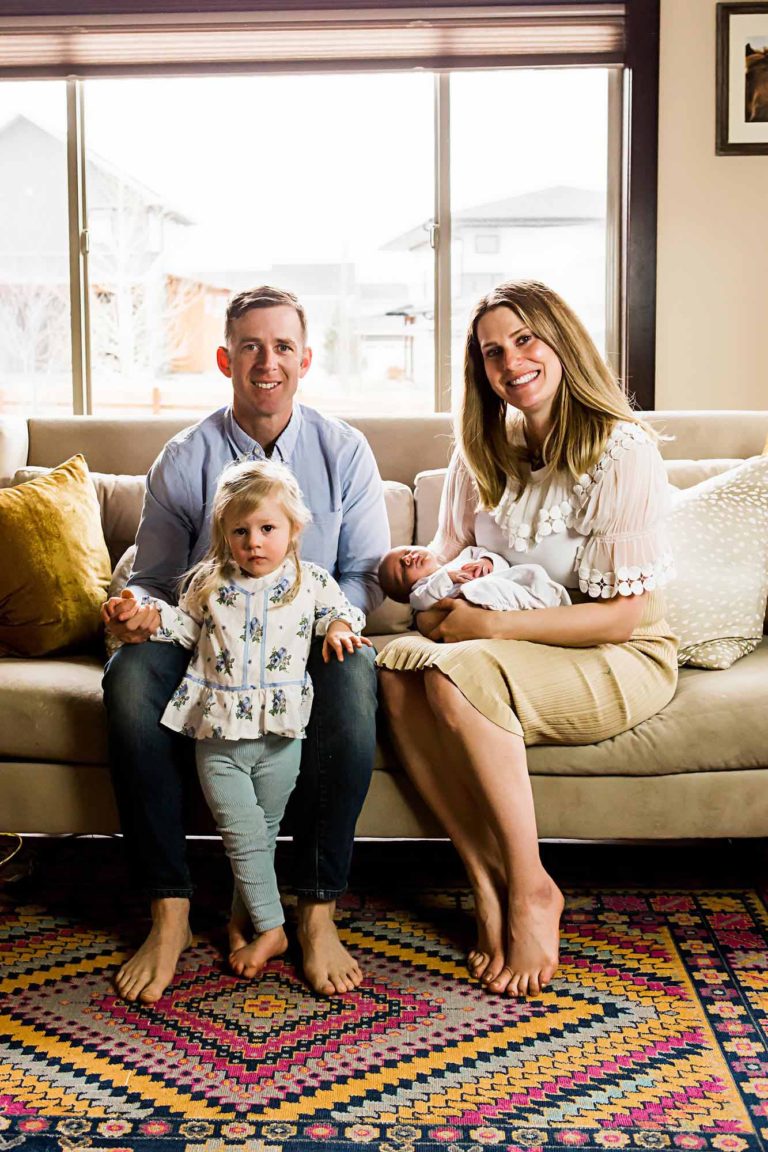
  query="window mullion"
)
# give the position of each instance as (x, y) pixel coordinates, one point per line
(442, 243)
(78, 250)
(614, 225)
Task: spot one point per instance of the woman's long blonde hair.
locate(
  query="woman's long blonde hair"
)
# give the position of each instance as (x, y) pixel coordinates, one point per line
(587, 404)
(241, 489)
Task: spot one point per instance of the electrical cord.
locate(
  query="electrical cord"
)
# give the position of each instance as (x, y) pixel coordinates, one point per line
(13, 836)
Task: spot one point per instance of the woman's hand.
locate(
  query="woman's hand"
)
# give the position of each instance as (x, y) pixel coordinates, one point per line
(456, 620)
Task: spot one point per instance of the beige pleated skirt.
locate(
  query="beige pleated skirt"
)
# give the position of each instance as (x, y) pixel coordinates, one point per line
(552, 695)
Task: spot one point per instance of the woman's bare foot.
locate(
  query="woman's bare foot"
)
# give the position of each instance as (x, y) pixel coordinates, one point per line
(486, 960)
(533, 941)
(250, 958)
(328, 966)
(150, 970)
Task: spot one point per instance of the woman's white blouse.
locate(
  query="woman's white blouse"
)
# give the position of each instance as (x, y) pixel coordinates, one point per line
(247, 674)
(604, 534)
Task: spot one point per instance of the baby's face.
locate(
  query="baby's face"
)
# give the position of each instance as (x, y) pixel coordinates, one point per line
(401, 568)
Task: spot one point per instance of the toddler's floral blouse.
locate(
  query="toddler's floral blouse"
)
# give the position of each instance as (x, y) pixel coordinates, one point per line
(247, 674)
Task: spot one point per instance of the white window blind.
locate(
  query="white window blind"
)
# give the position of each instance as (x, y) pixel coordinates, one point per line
(268, 40)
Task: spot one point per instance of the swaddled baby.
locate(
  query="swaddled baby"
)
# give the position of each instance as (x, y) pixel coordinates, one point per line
(414, 575)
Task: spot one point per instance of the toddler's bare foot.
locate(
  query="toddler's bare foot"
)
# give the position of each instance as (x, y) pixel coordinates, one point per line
(151, 969)
(533, 941)
(250, 958)
(487, 958)
(239, 933)
(328, 966)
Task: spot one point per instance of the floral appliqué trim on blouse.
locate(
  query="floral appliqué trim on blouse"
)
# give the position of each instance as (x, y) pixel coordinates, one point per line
(630, 580)
(626, 580)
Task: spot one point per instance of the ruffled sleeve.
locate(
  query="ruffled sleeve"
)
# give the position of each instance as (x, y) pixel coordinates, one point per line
(330, 602)
(623, 509)
(177, 625)
(456, 518)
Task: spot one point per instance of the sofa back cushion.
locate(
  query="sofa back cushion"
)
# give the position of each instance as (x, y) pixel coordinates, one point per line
(401, 444)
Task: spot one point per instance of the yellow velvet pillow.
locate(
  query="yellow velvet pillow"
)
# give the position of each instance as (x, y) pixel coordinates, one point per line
(54, 564)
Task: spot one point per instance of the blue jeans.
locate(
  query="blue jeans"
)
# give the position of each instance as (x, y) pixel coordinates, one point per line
(152, 767)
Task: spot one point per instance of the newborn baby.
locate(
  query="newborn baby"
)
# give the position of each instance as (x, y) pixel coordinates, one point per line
(413, 575)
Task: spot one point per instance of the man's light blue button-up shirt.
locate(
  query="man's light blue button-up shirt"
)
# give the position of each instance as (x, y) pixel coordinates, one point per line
(338, 477)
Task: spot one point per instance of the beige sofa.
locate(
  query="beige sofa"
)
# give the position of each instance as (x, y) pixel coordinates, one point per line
(697, 769)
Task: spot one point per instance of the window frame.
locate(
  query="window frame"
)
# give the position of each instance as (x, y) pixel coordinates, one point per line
(632, 187)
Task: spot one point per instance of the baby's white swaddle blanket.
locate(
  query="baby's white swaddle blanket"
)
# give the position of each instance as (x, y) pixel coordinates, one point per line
(508, 588)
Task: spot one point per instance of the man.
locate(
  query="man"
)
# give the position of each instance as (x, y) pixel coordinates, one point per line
(265, 356)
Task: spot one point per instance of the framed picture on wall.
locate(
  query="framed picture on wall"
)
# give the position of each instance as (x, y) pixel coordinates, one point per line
(742, 79)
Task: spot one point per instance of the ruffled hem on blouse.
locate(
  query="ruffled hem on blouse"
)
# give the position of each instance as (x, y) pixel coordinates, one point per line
(208, 713)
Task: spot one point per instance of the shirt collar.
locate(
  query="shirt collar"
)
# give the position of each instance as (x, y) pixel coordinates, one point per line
(251, 450)
(241, 579)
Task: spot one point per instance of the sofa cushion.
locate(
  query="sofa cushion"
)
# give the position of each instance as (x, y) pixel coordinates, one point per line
(719, 536)
(717, 721)
(686, 473)
(428, 489)
(56, 567)
(391, 617)
(51, 709)
(120, 500)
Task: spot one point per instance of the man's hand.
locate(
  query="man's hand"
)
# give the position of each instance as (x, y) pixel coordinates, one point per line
(472, 571)
(340, 639)
(126, 620)
(461, 621)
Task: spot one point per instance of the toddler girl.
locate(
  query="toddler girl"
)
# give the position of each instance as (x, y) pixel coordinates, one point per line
(248, 613)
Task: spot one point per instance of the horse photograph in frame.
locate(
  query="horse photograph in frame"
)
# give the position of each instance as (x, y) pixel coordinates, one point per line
(742, 79)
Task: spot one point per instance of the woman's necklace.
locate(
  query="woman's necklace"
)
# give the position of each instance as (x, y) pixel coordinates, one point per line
(535, 457)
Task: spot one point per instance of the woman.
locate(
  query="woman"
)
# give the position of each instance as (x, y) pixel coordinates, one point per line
(553, 467)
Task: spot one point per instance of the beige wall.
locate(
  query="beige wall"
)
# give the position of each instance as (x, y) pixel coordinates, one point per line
(712, 349)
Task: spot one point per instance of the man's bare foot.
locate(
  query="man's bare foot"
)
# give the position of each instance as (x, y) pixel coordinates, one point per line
(328, 966)
(533, 941)
(150, 970)
(250, 958)
(486, 960)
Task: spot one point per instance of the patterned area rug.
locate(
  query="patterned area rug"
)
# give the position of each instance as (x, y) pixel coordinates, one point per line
(653, 1035)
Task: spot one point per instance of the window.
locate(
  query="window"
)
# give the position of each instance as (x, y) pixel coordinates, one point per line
(389, 189)
(539, 180)
(35, 365)
(306, 182)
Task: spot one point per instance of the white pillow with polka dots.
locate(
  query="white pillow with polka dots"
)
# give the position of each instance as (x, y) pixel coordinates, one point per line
(719, 534)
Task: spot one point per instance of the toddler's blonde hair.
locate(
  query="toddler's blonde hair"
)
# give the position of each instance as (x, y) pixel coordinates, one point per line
(242, 488)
